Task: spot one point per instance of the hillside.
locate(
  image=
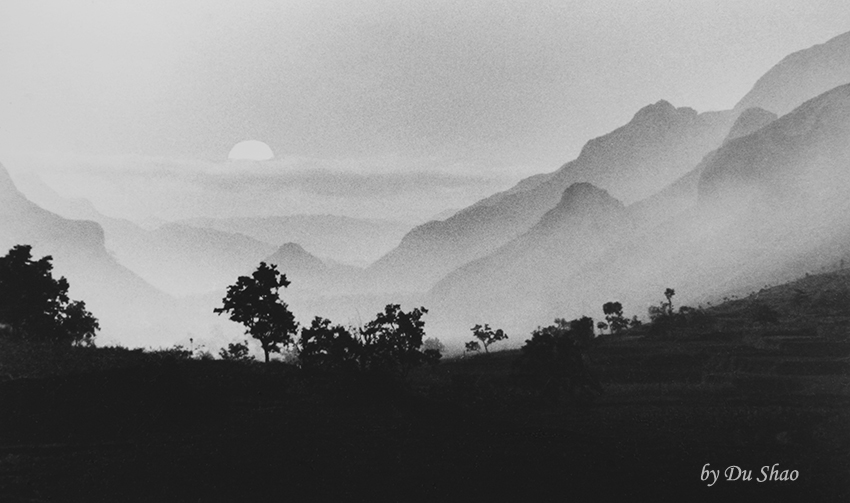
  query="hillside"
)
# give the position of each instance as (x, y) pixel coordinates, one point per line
(763, 208)
(801, 76)
(656, 147)
(130, 310)
(518, 277)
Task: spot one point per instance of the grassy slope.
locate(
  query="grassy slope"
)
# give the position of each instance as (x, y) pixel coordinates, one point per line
(116, 425)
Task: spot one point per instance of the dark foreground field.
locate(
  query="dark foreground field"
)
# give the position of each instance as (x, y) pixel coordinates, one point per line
(117, 425)
(215, 431)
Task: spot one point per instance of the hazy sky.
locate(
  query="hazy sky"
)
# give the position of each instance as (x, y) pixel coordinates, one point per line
(492, 90)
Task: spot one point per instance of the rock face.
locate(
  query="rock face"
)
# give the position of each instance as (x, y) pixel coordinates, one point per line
(659, 144)
(130, 310)
(801, 76)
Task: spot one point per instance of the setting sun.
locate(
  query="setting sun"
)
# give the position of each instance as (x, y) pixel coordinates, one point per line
(250, 150)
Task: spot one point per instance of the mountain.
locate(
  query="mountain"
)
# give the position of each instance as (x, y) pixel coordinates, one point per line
(37, 191)
(130, 310)
(682, 194)
(657, 146)
(521, 275)
(764, 208)
(309, 274)
(801, 76)
(342, 239)
(183, 260)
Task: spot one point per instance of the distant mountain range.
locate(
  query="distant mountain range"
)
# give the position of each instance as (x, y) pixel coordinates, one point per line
(706, 203)
(764, 208)
(657, 146)
(345, 240)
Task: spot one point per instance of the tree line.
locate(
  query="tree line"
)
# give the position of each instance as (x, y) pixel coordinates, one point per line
(34, 306)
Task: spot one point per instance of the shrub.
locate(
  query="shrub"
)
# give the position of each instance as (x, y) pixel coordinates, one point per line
(236, 351)
(552, 361)
(327, 347)
(391, 342)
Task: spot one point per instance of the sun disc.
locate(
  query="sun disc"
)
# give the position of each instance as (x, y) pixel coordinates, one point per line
(250, 150)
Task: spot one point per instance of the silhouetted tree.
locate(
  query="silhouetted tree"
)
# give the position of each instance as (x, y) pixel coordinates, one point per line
(472, 346)
(36, 306)
(236, 351)
(254, 301)
(602, 326)
(327, 347)
(392, 341)
(487, 336)
(669, 293)
(614, 314)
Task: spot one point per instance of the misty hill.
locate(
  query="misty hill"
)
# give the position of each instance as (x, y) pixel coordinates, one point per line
(182, 259)
(311, 275)
(521, 275)
(657, 146)
(801, 76)
(129, 309)
(178, 259)
(682, 194)
(342, 239)
(37, 191)
(764, 208)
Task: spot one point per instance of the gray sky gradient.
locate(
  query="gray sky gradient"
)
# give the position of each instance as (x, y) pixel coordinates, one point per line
(494, 88)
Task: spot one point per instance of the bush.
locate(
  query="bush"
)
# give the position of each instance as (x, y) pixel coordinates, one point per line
(327, 347)
(552, 361)
(391, 342)
(236, 351)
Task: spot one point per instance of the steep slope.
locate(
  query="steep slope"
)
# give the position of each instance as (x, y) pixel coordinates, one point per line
(130, 310)
(37, 191)
(656, 147)
(801, 76)
(682, 194)
(178, 259)
(521, 276)
(766, 208)
(771, 206)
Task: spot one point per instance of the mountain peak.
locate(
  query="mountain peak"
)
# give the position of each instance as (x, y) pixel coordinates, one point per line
(292, 257)
(292, 248)
(805, 150)
(585, 196)
(801, 76)
(663, 109)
